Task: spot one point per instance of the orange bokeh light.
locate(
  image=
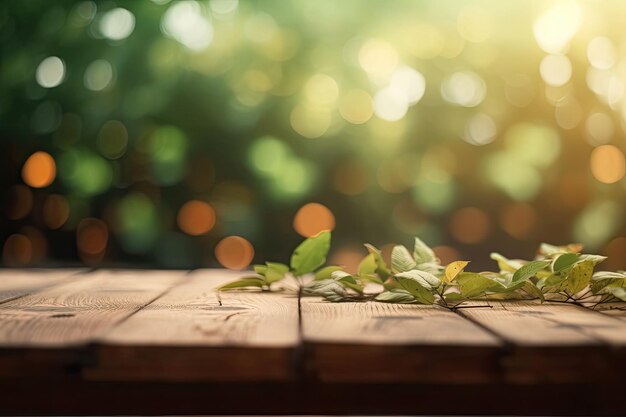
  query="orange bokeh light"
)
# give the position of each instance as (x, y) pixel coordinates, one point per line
(469, 225)
(19, 202)
(56, 211)
(313, 218)
(17, 250)
(234, 252)
(446, 254)
(196, 218)
(608, 164)
(518, 220)
(38, 243)
(39, 170)
(92, 236)
(348, 258)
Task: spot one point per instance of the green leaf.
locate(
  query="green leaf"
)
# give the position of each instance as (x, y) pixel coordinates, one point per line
(381, 267)
(260, 269)
(310, 254)
(472, 284)
(619, 292)
(347, 280)
(247, 282)
(529, 270)
(371, 278)
(326, 272)
(579, 277)
(533, 291)
(596, 259)
(552, 283)
(322, 287)
(422, 294)
(425, 279)
(367, 266)
(423, 253)
(277, 266)
(342, 276)
(430, 267)
(401, 259)
(603, 282)
(505, 264)
(453, 296)
(453, 269)
(275, 271)
(397, 295)
(564, 261)
(600, 275)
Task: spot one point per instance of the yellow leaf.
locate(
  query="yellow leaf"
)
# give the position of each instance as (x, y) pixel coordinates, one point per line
(453, 269)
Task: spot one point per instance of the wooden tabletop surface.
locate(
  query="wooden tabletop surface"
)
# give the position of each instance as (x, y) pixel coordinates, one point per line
(155, 342)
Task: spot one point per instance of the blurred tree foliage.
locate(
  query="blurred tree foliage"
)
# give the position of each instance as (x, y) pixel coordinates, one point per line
(469, 124)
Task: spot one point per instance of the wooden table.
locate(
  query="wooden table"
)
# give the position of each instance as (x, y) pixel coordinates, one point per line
(165, 342)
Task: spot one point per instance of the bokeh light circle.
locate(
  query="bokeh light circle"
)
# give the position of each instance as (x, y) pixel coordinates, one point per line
(469, 225)
(50, 72)
(17, 250)
(56, 211)
(608, 164)
(39, 170)
(92, 236)
(234, 252)
(19, 202)
(196, 218)
(313, 218)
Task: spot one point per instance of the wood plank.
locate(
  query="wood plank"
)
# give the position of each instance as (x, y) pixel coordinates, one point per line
(553, 342)
(74, 313)
(15, 283)
(617, 310)
(195, 333)
(378, 342)
(44, 334)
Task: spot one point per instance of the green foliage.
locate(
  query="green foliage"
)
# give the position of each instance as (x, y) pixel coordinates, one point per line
(311, 254)
(529, 270)
(306, 258)
(471, 284)
(401, 259)
(248, 282)
(395, 295)
(556, 274)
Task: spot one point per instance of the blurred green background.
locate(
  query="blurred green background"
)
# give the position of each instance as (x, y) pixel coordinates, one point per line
(198, 133)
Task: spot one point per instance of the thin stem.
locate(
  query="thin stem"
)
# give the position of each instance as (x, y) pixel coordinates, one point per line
(458, 306)
(445, 303)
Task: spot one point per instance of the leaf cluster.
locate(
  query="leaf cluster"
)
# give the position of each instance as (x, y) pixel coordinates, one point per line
(308, 257)
(558, 273)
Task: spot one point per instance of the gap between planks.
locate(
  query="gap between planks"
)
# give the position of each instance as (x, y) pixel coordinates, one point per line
(554, 342)
(332, 358)
(192, 332)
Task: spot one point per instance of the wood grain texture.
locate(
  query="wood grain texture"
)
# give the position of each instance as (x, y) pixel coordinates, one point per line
(530, 323)
(617, 310)
(378, 342)
(15, 283)
(75, 312)
(197, 333)
(553, 342)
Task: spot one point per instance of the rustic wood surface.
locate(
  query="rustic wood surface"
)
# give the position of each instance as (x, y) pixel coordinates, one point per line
(205, 334)
(15, 283)
(553, 342)
(114, 338)
(81, 308)
(351, 342)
